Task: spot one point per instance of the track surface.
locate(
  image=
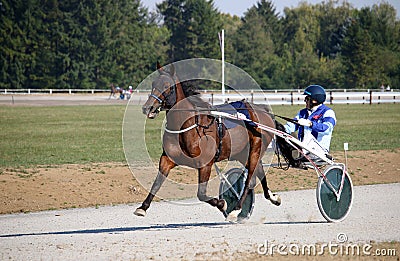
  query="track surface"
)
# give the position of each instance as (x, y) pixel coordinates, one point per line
(189, 229)
(63, 99)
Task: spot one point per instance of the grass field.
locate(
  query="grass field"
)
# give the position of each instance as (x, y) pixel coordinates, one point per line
(80, 134)
(62, 134)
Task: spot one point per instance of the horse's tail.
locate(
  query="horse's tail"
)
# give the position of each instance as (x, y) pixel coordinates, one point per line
(283, 148)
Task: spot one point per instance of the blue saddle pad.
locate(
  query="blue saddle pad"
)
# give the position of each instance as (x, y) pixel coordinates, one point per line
(233, 108)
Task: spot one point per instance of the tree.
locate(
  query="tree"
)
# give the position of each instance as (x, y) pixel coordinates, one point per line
(77, 44)
(194, 25)
(254, 43)
(230, 25)
(370, 51)
(334, 23)
(359, 53)
(301, 33)
(19, 46)
(91, 43)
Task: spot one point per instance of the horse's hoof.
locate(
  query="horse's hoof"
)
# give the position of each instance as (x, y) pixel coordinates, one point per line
(140, 212)
(233, 216)
(225, 206)
(274, 198)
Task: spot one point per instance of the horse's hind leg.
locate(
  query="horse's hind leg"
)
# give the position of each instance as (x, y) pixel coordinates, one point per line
(251, 166)
(204, 176)
(259, 172)
(254, 169)
(165, 165)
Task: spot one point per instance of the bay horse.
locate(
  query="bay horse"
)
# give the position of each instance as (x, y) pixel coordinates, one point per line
(192, 138)
(113, 91)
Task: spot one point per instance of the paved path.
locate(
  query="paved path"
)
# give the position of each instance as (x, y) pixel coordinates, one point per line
(63, 99)
(188, 229)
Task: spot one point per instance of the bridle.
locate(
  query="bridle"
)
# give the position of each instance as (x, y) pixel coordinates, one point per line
(156, 97)
(168, 99)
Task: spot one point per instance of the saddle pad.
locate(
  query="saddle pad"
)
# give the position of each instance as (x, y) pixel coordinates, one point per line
(234, 108)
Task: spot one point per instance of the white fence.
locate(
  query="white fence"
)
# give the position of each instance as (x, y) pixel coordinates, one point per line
(273, 97)
(297, 97)
(52, 91)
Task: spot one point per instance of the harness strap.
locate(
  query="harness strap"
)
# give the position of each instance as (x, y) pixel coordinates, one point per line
(236, 116)
(220, 132)
(203, 126)
(181, 131)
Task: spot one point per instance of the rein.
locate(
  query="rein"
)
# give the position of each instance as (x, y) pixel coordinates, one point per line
(181, 131)
(248, 109)
(191, 127)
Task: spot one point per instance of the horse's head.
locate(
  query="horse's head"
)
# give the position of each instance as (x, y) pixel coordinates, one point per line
(163, 92)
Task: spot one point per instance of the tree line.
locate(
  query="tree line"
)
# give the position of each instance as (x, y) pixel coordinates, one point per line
(93, 43)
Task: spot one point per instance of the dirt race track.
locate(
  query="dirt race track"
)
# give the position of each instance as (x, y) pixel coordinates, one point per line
(187, 229)
(192, 231)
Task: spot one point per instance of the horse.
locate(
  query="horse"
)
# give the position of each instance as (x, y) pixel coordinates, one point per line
(193, 137)
(113, 91)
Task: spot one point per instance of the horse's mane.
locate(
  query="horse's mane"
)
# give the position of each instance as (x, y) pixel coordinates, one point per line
(193, 95)
(189, 89)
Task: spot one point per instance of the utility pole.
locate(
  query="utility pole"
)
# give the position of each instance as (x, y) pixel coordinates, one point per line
(221, 42)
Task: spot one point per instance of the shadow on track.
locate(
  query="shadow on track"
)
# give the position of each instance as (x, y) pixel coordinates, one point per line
(295, 222)
(151, 228)
(120, 229)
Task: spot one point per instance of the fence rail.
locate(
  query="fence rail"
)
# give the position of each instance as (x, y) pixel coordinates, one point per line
(53, 91)
(297, 97)
(294, 97)
(273, 97)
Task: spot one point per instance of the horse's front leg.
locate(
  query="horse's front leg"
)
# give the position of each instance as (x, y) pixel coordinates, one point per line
(204, 176)
(165, 165)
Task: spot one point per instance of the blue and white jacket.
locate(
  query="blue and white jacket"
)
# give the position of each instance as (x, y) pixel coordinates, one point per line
(323, 121)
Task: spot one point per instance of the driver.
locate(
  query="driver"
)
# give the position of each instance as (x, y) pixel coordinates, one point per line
(315, 123)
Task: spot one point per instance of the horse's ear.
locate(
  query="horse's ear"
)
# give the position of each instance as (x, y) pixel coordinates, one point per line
(172, 70)
(159, 67)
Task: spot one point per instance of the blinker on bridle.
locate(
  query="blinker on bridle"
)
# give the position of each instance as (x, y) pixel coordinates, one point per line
(165, 97)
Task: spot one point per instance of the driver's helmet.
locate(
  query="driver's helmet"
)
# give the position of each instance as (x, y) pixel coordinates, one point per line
(316, 92)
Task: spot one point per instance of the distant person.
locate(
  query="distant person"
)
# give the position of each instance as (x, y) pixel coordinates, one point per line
(388, 88)
(121, 93)
(382, 88)
(315, 122)
(129, 92)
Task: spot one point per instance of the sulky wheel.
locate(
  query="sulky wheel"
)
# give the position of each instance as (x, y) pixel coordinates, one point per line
(332, 209)
(231, 189)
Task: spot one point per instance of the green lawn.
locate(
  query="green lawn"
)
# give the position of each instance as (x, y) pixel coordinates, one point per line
(61, 134)
(81, 134)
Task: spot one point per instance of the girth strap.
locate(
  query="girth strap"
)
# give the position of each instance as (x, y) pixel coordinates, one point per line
(220, 132)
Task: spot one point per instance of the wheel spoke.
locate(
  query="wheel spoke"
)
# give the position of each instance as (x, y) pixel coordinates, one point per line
(332, 209)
